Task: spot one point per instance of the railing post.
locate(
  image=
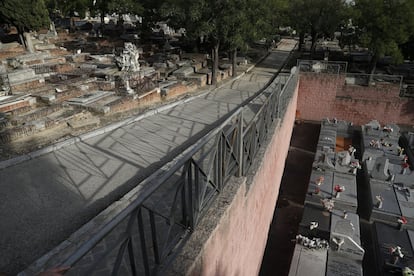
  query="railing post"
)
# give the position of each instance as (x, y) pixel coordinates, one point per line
(240, 145)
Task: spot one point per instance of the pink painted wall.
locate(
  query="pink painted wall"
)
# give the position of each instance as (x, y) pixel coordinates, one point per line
(237, 244)
(326, 96)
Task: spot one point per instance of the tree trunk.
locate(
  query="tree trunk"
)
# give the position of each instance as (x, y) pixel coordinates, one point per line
(29, 43)
(372, 68)
(313, 45)
(301, 40)
(234, 63)
(215, 57)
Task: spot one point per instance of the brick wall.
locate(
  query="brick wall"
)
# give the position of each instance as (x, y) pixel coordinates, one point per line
(327, 96)
(27, 86)
(13, 106)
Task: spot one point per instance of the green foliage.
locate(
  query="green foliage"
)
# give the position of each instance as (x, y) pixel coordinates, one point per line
(68, 7)
(384, 25)
(25, 15)
(125, 6)
(317, 17)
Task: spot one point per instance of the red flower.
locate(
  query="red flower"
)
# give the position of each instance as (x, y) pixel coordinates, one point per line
(402, 220)
(338, 189)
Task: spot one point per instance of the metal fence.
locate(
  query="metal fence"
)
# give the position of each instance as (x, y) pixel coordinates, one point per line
(407, 91)
(146, 235)
(322, 66)
(367, 79)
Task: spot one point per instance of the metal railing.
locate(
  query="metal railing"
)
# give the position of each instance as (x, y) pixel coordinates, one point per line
(146, 235)
(322, 66)
(368, 80)
(407, 91)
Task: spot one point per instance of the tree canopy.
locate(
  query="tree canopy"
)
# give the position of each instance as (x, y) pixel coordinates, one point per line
(383, 25)
(25, 15)
(316, 17)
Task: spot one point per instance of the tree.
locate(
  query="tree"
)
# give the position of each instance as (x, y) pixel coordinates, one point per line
(68, 7)
(383, 26)
(100, 7)
(221, 24)
(25, 15)
(316, 17)
(122, 7)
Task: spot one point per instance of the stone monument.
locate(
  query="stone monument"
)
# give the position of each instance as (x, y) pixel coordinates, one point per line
(128, 63)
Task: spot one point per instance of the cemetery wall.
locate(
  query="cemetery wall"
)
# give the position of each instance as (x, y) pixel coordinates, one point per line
(327, 96)
(232, 236)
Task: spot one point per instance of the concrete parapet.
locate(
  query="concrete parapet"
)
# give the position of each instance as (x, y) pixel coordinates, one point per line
(231, 238)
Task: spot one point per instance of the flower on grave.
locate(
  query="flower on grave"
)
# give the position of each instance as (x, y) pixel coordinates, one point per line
(320, 180)
(339, 189)
(388, 129)
(405, 165)
(317, 190)
(328, 204)
(396, 251)
(355, 164)
(402, 220)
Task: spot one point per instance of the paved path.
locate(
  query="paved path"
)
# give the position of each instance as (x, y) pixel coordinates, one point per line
(44, 200)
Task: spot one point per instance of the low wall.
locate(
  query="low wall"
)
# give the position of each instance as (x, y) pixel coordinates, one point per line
(326, 96)
(232, 236)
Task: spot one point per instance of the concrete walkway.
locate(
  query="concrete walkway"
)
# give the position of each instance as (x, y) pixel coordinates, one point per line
(44, 200)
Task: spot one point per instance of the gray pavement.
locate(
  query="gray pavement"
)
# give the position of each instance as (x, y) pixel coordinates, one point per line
(44, 200)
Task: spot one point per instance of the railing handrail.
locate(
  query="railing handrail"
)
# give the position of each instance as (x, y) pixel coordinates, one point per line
(146, 188)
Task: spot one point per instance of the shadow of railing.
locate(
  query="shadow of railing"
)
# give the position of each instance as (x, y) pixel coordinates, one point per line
(143, 232)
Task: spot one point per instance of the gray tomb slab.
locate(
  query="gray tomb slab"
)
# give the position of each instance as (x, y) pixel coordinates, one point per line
(325, 188)
(343, 162)
(313, 213)
(405, 199)
(339, 265)
(371, 153)
(307, 262)
(344, 129)
(390, 210)
(406, 179)
(346, 230)
(347, 199)
(327, 138)
(380, 169)
(411, 237)
(337, 225)
(183, 71)
(387, 237)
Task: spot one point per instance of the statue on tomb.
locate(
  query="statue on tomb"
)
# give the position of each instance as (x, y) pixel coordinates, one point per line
(128, 60)
(380, 201)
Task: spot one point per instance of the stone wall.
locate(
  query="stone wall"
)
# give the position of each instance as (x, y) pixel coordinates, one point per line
(327, 96)
(232, 236)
